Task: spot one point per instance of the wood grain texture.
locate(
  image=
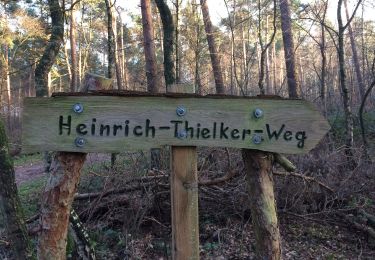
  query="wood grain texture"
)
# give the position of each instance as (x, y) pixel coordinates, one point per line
(41, 123)
(184, 196)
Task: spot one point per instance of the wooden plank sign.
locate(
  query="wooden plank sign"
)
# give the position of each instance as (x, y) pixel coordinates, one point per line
(103, 123)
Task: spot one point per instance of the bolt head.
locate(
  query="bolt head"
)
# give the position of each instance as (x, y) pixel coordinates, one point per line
(78, 108)
(258, 113)
(181, 111)
(257, 139)
(79, 142)
(182, 134)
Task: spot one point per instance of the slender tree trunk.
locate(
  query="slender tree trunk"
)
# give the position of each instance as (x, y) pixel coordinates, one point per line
(323, 55)
(73, 51)
(344, 89)
(10, 203)
(149, 47)
(49, 56)
(177, 49)
(110, 41)
(357, 66)
(168, 35)
(294, 88)
(215, 59)
(262, 203)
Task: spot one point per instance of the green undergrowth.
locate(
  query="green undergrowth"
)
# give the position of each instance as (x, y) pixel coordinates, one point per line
(23, 160)
(337, 122)
(30, 194)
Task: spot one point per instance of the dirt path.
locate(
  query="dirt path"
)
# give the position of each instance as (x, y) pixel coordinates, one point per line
(34, 170)
(26, 173)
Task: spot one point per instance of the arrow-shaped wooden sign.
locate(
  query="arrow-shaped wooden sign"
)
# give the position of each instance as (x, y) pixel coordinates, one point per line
(93, 123)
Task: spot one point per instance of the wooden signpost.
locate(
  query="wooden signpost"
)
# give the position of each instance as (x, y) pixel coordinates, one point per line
(114, 122)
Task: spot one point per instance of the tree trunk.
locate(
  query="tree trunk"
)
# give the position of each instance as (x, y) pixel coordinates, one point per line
(149, 47)
(59, 192)
(73, 51)
(49, 56)
(262, 203)
(110, 41)
(322, 47)
(344, 88)
(177, 54)
(11, 205)
(294, 88)
(357, 66)
(215, 60)
(168, 35)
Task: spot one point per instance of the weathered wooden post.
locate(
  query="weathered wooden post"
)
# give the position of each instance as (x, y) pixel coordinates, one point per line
(184, 191)
(61, 186)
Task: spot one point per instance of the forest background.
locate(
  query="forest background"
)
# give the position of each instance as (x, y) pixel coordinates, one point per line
(242, 53)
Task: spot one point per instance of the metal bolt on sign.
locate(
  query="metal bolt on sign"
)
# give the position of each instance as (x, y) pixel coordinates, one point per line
(182, 134)
(78, 108)
(258, 113)
(79, 142)
(257, 139)
(181, 111)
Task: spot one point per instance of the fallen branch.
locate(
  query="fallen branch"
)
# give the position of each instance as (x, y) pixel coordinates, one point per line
(4, 242)
(219, 180)
(306, 178)
(284, 162)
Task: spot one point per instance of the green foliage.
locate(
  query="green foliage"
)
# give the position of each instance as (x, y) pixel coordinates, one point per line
(29, 194)
(337, 123)
(27, 159)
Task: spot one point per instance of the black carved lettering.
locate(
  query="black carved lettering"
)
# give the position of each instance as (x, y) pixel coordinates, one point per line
(301, 137)
(81, 129)
(66, 125)
(116, 128)
(189, 129)
(214, 131)
(223, 131)
(205, 133)
(245, 132)
(137, 131)
(288, 135)
(126, 130)
(149, 128)
(93, 126)
(176, 122)
(198, 130)
(274, 133)
(104, 128)
(235, 133)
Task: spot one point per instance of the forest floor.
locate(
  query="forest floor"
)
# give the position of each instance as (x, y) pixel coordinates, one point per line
(222, 235)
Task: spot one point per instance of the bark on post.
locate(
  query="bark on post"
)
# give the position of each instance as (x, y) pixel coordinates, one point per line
(11, 206)
(59, 192)
(262, 203)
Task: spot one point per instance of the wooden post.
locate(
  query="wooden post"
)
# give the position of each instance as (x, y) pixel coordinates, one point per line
(59, 192)
(262, 203)
(184, 196)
